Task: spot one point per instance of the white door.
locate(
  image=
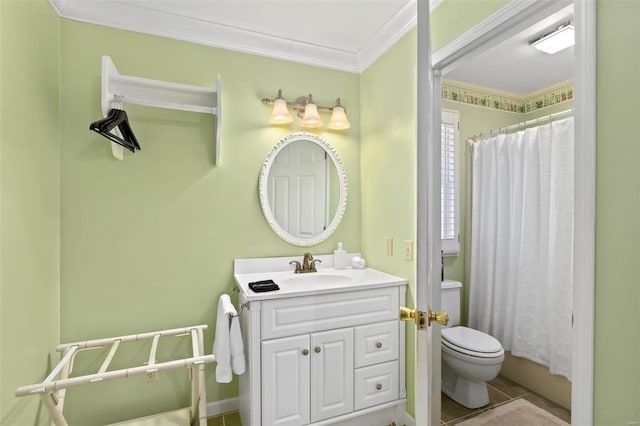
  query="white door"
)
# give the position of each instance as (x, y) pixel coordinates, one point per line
(298, 189)
(285, 381)
(427, 368)
(331, 374)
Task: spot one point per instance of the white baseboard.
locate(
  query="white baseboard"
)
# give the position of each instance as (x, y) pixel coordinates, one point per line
(216, 408)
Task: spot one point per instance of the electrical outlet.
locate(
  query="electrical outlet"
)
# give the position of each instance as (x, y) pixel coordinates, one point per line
(408, 250)
(388, 241)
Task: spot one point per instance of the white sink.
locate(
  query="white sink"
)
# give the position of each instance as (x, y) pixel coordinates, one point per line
(315, 278)
(291, 284)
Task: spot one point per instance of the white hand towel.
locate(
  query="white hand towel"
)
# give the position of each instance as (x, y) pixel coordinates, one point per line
(237, 347)
(221, 344)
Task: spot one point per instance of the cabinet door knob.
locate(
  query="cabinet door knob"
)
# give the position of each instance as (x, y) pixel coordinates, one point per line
(305, 352)
(318, 349)
(378, 386)
(379, 345)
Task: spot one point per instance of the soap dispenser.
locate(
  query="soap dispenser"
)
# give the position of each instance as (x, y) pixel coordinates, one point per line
(340, 259)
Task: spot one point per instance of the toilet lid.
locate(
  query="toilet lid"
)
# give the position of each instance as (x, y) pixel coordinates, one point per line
(471, 340)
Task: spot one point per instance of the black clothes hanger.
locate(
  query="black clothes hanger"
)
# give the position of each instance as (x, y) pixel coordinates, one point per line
(127, 132)
(116, 118)
(102, 125)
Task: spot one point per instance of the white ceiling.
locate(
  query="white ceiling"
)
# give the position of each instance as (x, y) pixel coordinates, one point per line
(328, 24)
(347, 35)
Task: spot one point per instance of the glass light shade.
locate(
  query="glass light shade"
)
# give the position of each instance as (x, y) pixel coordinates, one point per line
(339, 119)
(280, 114)
(311, 117)
(556, 41)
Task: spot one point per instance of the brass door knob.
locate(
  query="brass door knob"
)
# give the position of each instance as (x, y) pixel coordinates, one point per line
(407, 314)
(441, 317)
(419, 316)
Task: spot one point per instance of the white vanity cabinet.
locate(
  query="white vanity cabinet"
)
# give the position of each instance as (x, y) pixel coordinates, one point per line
(323, 356)
(307, 378)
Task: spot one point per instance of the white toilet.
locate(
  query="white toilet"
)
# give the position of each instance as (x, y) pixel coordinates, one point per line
(469, 357)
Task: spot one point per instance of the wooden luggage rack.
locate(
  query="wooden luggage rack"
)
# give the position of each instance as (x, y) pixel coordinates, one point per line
(52, 390)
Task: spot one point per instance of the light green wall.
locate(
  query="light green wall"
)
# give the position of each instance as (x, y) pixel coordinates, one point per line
(388, 168)
(29, 203)
(617, 323)
(454, 17)
(2, 391)
(388, 148)
(617, 374)
(149, 242)
(166, 220)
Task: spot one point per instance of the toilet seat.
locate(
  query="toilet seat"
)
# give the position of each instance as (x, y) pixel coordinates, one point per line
(471, 342)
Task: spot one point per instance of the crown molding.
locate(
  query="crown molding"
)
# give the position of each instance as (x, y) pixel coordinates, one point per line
(58, 6)
(138, 19)
(130, 17)
(397, 27)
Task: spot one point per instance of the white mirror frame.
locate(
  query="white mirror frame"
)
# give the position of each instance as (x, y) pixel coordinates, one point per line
(264, 199)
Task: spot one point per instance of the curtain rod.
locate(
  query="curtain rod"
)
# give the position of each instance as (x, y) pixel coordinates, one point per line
(523, 124)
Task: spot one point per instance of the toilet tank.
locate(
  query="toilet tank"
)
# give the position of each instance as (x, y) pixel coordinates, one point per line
(450, 300)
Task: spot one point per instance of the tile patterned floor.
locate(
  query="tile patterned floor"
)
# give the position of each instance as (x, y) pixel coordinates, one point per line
(226, 419)
(501, 390)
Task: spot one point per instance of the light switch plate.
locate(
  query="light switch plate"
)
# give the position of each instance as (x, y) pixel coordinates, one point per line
(408, 250)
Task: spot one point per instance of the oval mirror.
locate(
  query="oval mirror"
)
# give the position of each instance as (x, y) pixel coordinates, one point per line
(303, 189)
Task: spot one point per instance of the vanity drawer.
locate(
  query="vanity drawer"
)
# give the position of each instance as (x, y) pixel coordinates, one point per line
(376, 385)
(306, 314)
(376, 343)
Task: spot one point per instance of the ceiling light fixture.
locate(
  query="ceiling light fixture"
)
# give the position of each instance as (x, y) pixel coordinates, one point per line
(561, 38)
(306, 109)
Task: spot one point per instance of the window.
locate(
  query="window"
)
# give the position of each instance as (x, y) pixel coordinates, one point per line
(449, 183)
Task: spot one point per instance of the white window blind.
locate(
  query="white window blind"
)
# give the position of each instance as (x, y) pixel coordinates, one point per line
(449, 183)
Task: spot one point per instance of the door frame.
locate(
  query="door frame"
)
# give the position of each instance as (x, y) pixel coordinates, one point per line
(508, 21)
(427, 341)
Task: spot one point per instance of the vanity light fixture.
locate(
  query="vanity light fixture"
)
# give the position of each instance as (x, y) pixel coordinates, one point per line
(559, 39)
(311, 117)
(338, 117)
(280, 114)
(306, 109)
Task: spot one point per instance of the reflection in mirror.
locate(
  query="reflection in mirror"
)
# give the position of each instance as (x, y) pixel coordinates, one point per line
(303, 189)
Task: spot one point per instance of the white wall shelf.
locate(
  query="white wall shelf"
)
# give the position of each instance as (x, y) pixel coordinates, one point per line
(161, 94)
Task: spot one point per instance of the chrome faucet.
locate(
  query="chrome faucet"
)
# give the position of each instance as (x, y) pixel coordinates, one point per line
(308, 264)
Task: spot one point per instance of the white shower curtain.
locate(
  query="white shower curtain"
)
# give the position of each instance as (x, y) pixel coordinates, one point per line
(521, 266)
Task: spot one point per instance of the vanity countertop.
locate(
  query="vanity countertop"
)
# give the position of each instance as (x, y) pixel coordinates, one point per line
(327, 279)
